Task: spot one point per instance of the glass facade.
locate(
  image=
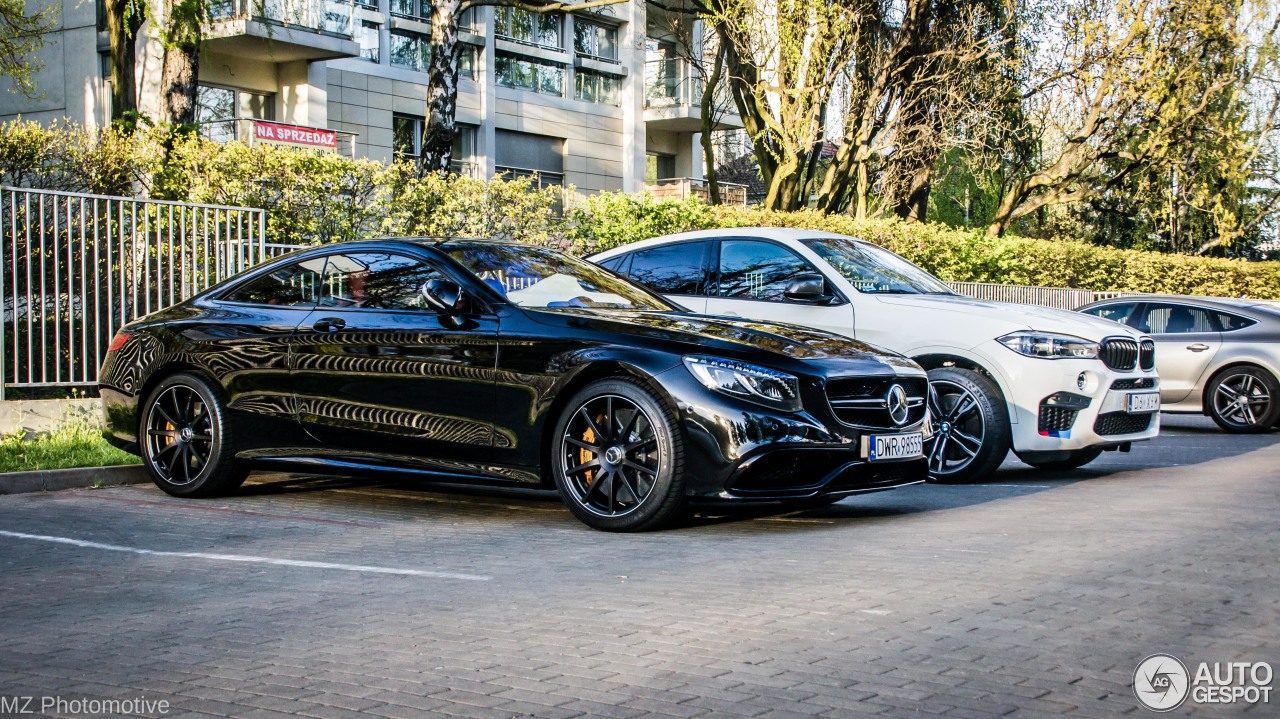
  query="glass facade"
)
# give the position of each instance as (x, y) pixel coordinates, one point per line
(595, 41)
(540, 29)
(596, 87)
(525, 73)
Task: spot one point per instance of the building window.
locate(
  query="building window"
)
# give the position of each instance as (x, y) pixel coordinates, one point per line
(529, 74)
(406, 136)
(520, 154)
(595, 41)
(659, 167)
(661, 73)
(371, 4)
(541, 29)
(410, 50)
(596, 87)
(468, 21)
(370, 39)
(218, 109)
(469, 62)
(412, 9)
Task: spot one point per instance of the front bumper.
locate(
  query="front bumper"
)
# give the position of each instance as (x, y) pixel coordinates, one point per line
(1093, 415)
(735, 450)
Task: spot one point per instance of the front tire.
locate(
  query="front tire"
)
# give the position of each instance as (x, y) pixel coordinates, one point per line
(1243, 400)
(618, 459)
(970, 423)
(187, 445)
(1074, 459)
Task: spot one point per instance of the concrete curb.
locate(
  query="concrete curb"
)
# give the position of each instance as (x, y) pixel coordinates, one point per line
(48, 480)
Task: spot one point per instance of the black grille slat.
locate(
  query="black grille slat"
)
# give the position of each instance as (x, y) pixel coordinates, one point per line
(1139, 383)
(1147, 355)
(1114, 423)
(1119, 353)
(857, 401)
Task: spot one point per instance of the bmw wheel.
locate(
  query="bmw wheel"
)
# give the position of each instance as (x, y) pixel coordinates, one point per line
(186, 444)
(971, 434)
(618, 459)
(1243, 400)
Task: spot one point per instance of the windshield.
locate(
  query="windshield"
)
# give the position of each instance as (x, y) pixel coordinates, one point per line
(538, 277)
(873, 270)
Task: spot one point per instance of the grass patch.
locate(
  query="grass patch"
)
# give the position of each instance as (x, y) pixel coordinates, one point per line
(77, 442)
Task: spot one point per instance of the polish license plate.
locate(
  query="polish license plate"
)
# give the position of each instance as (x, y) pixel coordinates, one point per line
(878, 447)
(1144, 402)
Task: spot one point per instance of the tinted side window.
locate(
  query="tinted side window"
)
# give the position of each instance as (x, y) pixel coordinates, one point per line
(757, 270)
(1230, 322)
(293, 285)
(670, 269)
(376, 280)
(615, 263)
(1170, 319)
(1115, 313)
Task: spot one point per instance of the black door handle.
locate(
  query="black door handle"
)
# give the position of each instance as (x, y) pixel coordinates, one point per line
(329, 324)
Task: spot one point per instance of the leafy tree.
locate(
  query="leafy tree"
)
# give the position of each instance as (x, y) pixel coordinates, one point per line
(1144, 99)
(124, 20)
(21, 38)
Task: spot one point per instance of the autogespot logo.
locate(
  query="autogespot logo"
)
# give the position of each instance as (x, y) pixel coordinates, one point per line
(1161, 682)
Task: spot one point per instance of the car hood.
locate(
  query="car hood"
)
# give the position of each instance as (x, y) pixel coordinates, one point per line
(986, 317)
(760, 342)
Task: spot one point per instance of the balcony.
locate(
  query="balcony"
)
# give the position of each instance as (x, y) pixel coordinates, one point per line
(282, 30)
(269, 132)
(673, 99)
(678, 188)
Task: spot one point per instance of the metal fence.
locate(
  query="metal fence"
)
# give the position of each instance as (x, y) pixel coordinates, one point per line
(78, 266)
(1064, 298)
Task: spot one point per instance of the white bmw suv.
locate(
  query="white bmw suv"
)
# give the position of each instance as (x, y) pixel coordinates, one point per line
(1057, 387)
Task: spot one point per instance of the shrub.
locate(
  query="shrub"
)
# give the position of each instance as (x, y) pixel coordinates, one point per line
(64, 156)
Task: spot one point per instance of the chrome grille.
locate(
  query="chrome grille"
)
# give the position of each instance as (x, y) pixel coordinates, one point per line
(862, 401)
(1119, 353)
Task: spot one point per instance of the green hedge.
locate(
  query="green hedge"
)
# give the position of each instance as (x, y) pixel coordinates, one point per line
(610, 220)
(312, 197)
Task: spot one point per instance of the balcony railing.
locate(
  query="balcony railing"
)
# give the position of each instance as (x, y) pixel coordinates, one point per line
(243, 130)
(332, 17)
(678, 188)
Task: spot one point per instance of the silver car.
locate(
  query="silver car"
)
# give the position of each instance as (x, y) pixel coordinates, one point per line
(1219, 357)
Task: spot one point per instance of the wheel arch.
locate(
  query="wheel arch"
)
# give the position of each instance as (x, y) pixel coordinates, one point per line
(1234, 363)
(166, 371)
(602, 369)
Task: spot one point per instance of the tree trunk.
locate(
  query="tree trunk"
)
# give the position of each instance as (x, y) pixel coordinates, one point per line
(442, 89)
(179, 78)
(124, 19)
(709, 111)
(916, 203)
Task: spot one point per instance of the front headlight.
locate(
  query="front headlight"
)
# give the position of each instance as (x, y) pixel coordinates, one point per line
(1049, 345)
(761, 385)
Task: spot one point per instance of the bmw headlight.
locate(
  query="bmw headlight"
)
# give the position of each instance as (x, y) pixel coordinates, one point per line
(1049, 345)
(761, 385)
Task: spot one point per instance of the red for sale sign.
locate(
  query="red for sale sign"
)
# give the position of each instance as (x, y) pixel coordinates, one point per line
(311, 137)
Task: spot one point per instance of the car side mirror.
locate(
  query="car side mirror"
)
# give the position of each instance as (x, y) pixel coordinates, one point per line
(446, 297)
(808, 287)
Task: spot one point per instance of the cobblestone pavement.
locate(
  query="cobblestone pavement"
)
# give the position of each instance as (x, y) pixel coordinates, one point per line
(1034, 594)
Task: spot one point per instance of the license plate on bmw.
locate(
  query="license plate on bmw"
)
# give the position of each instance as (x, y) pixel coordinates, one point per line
(1144, 402)
(877, 447)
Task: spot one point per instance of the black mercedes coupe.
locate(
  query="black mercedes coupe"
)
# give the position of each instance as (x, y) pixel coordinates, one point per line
(509, 363)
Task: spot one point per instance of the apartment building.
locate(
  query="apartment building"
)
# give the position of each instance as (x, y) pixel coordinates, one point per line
(601, 99)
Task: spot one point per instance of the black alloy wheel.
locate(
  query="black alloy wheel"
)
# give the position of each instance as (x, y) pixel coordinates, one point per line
(617, 458)
(184, 440)
(971, 434)
(1243, 400)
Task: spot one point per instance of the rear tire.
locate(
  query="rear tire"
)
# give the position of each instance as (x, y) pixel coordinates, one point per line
(1243, 400)
(618, 458)
(970, 424)
(187, 447)
(1075, 459)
